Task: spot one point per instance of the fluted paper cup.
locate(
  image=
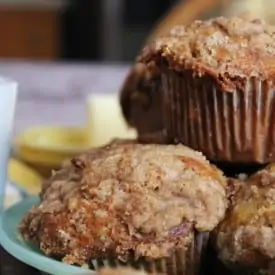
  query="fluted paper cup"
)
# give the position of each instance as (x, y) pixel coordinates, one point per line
(229, 126)
(181, 262)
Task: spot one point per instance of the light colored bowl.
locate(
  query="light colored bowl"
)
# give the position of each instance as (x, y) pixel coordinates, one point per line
(49, 146)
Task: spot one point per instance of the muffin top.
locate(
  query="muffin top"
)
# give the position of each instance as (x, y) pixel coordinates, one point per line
(126, 200)
(238, 47)
(247, 235)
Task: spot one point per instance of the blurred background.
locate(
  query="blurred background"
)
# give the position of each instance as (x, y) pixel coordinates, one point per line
(67, 56)
(99, 30)
(77, 30)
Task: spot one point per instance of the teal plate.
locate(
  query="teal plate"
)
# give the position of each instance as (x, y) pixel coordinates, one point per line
(13, 243)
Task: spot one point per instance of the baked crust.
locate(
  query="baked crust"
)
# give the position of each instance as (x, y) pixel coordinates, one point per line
(231, 50)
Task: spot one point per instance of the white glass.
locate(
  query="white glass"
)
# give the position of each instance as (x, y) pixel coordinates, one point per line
(8, 95)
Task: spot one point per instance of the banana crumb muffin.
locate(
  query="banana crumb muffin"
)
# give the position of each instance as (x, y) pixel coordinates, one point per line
(130, 203)
(217, 87)
(246, 238)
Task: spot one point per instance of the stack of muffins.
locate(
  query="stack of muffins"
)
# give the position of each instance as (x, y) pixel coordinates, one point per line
(210, 86)
(157, 206)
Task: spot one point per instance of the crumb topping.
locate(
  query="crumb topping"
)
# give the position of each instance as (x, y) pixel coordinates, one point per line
(228, 48)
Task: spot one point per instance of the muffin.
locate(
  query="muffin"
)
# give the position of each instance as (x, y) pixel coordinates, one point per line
(245, 240)
(217, 87)
(141, 102)
(146, 206)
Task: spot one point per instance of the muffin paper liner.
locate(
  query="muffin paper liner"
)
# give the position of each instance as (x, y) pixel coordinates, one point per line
(226, 126)
(182, 262)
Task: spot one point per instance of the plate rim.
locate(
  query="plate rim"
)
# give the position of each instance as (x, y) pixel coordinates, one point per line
(30, 257)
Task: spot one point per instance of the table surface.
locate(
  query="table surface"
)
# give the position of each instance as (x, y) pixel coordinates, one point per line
(60, 90)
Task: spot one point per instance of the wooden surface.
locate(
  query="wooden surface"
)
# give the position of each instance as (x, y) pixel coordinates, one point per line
(29, 34)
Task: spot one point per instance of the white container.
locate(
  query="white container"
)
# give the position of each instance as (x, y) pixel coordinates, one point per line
(8, 95)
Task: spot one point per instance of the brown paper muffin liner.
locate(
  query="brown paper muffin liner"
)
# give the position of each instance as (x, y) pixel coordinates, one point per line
(226, 126)
(182, 262)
